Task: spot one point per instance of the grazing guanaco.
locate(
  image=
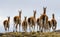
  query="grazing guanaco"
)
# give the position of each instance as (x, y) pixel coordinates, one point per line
(6, 24)
(53, 22)
(38, 23)
(17, 20)
(24, 24)
(49, 25)
(32, 20)
(43, 20)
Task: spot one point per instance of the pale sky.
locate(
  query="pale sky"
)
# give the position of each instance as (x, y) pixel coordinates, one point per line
(11, 7)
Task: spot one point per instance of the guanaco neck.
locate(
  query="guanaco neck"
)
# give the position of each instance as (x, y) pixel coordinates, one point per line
(53, 17)
(20, 14)
(44, 10)
(25, 18)
(34, 14)
(8, 19)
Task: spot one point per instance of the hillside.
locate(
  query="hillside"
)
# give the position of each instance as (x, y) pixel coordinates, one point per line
(30, 34)
(57, 31)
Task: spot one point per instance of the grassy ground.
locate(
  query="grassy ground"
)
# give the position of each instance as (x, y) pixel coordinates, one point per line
(30, 34)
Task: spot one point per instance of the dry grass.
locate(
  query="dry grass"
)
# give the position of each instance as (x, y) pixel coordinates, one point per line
(30, 34)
